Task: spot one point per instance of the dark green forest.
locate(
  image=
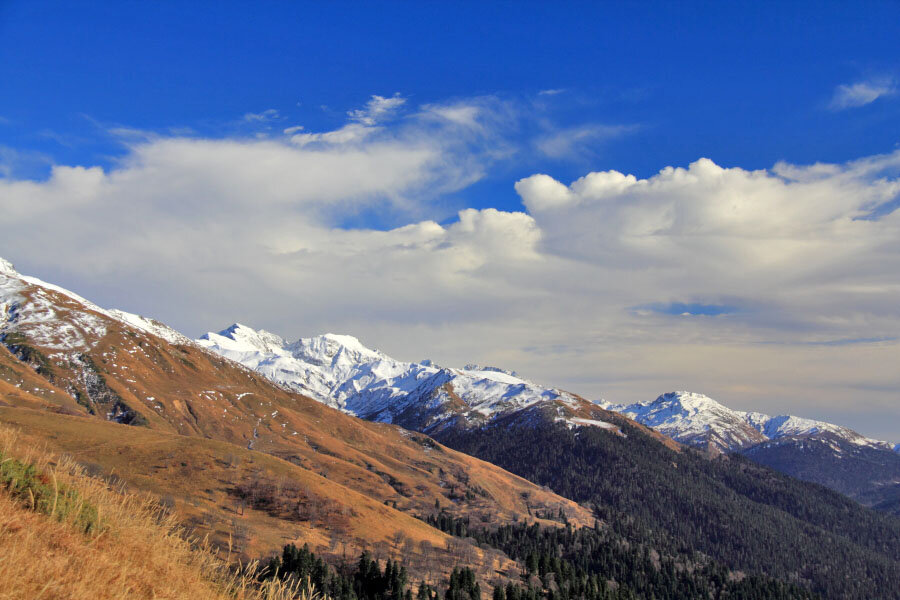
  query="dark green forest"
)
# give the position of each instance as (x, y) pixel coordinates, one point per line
(746, 516)
(560, 564)
(565, 563)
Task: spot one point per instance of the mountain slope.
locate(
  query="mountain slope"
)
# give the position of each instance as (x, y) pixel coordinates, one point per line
(228, 444)
(63, 357)
(99, 542)
(339, 371)
(255, 465)
(834, 456)
(649, 490)
(745, 515)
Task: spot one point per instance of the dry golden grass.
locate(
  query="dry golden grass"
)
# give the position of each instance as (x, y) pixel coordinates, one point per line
(138, 551)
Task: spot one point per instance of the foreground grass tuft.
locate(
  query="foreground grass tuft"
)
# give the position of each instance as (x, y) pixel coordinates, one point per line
(64, 534)
(42, 493)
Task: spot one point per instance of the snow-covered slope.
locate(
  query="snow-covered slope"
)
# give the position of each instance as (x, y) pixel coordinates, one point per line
(698, 420)
(340, 371)
(42, 315)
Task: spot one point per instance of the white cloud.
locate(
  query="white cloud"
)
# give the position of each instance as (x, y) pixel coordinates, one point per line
(574, 141)
(203, 232)
(267, 115)
(377, 109)
(14, 162)
(792, 247)
(350, 133)
(861, 93)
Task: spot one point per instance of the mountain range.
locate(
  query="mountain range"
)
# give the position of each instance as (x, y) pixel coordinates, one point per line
(210, 434)
(341, 372)
(256, 443)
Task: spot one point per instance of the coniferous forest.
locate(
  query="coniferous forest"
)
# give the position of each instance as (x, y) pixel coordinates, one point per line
(561, 564)
(565, 563)
(747, 517)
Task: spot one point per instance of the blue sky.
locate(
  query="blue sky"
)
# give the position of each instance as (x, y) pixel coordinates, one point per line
(619, 199)
(744, 83)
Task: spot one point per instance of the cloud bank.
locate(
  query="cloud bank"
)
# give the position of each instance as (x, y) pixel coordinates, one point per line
(771, 289)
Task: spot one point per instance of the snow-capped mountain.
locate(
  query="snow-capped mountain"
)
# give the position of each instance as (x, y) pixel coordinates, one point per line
(69, 367)
(338, 370)
(40, 316)
(698, 420)
(831, 455)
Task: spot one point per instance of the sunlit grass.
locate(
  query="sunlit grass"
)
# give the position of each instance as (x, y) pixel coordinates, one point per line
(64, 534)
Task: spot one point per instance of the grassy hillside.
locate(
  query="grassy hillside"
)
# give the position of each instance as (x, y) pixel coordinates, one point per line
(64, 534)
(118, 372)
(200, 482)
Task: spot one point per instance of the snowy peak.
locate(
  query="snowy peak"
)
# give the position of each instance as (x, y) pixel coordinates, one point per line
(342, 372)
(241, 338)
(58, 319)
(698, 420)
(689, 403)
(7, 268)
(334, 349)
(694, 419)
(479, 368)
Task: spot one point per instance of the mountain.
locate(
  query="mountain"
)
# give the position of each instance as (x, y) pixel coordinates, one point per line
(651, 490)
(700, 421)
(255, 465)
(340, 372)
(252, 465)
(241, 458)
(831, 455)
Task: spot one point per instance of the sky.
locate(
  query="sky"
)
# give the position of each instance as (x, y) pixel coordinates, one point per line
(620, 200)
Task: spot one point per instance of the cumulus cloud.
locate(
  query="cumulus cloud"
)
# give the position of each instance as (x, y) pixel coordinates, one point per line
(861, 93)
(787, 239)
(730, 281)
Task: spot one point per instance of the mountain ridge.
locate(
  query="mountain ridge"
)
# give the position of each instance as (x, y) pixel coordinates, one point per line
(700, 415)
(341, 372)
(92, 381)
(837, 457)
(692, 418)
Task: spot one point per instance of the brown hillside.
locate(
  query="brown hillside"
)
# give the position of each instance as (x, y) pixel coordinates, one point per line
(105, 544)
(234, 453)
